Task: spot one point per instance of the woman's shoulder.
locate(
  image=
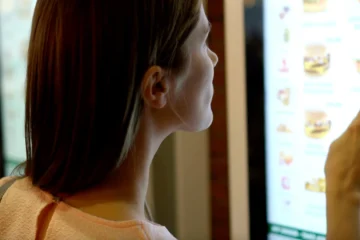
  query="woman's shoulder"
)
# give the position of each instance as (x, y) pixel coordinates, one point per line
(155, 231)
(5, 183)
(4, 180)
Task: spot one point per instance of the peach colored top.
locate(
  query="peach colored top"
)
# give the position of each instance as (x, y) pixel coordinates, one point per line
(26, 212)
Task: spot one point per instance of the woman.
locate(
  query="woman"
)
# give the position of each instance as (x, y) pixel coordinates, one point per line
(107, 82)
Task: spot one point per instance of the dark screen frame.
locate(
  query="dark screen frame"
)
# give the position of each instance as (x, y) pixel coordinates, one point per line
(256, 120)
(2, 161)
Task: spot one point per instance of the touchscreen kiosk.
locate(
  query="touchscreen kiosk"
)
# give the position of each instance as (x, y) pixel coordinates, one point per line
(15, 26)
(312, 92)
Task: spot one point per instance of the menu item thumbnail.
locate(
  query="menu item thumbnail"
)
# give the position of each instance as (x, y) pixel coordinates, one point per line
(282, 128)
(316, 185)
(286, 35)
(357, 65)
(284, 96)
(286, 159)
(316, 60)
(284, 68)
(315, 5)
(285, 183)
(284, 12)
(317, 124)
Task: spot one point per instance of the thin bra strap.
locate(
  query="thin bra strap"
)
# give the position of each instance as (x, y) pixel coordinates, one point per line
(5, 187)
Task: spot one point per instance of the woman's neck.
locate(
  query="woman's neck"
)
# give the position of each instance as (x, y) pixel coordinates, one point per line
(122, 196)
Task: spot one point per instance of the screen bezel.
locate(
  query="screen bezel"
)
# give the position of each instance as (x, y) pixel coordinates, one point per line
(255, 80)
(2, 161)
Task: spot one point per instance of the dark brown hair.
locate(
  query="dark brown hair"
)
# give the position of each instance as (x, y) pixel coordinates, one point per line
(85, 65)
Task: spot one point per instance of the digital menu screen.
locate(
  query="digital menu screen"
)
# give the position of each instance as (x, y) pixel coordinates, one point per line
(312, 92)
(15, 25)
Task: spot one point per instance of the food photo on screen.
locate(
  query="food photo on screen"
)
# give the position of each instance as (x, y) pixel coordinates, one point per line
(284, 12)
(284, 96)
(283, 128)
(285, 158)
(313, 6)
(357, 64)
(284, 66)
(286, 35)
(316, 60)
(285, 183)
(352, 45)
(317, 124)
(353, 49)
(317, 185)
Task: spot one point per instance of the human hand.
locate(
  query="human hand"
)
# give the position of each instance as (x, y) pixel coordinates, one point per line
(342, 168)
(342, 172)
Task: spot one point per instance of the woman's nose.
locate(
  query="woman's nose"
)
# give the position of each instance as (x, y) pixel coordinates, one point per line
(214, 57)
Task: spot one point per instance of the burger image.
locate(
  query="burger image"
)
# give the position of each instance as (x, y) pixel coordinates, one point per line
(283, 129)
(285, 158)
(316, 185)
(317, 124)
(316, 60)
(315, 5)
(284, 96)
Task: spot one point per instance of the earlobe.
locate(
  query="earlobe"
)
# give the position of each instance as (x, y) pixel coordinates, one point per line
(155, 87)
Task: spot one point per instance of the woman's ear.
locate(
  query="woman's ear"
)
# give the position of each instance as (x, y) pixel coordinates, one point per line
(155, 87)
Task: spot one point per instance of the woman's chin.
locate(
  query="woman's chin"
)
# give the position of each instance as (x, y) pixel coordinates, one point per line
(198, 124)
(206, 122)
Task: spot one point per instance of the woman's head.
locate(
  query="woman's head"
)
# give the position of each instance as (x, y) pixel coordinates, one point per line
(95, 68)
